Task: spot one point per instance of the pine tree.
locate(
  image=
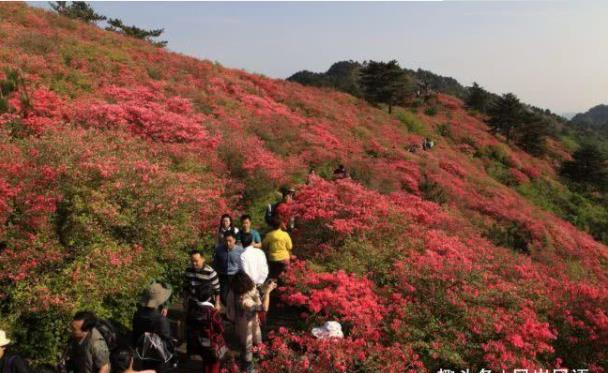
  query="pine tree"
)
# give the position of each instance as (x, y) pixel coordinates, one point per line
(77, 10)
(383, 82)
(118, 26)
(478, 98)
(532, 134)
(506, 114)
(588, 167)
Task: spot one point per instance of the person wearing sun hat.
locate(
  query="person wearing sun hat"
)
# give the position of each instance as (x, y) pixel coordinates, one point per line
(149, 318)
(10, 363)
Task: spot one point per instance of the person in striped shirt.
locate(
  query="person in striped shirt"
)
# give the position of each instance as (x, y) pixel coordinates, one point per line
(201, 275)
(200, 281)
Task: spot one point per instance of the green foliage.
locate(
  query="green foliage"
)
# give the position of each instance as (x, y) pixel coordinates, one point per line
(580, 210)
(506, 115)
(123, 218)
(383, 82)
(431, 111)
(510, 234)
(412, 122)
(596, 117)
(36, 43)
(361, 257)
(342, 76)
(117, 25)
(435, 82)
(77, 10)
(432, 191)
(497, 153)
(445, 130)
(588, 169)
(13, 82)
(478, 98)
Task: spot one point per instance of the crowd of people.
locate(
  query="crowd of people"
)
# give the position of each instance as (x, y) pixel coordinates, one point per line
(230, 294)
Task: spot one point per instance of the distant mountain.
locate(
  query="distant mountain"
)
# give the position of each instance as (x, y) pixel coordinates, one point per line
(567, 116)
(344, 76)
(595, 117)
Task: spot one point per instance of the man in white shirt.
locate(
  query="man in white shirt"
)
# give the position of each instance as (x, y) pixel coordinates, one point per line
(253, 260)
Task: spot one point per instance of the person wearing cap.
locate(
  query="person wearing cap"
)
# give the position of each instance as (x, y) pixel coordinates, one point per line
(149, 319)
(10, 363)
(282, 209)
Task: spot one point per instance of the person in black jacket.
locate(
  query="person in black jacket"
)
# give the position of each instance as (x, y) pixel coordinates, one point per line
(10, 363)
(151, 318)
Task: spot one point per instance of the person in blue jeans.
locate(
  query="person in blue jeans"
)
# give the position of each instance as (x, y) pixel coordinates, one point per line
(227, 262)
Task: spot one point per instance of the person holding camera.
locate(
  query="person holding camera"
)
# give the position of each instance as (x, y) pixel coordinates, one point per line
(243, 305)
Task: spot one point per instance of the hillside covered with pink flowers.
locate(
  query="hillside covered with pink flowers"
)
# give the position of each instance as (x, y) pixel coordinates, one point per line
(115, 156)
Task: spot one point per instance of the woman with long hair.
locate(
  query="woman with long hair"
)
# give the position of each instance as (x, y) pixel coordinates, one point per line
(243, 305)
(226, 224)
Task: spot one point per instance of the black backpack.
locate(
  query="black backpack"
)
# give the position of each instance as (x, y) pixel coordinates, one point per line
(151, 347)
(269, 213)
(108, 332)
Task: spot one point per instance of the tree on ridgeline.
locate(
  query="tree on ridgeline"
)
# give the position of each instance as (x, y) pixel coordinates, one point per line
(532, 133)
(344, 76)
(478, 98)
(506, 114)
(77, 10)
(588, 168)
(117, 25)
(383, 82)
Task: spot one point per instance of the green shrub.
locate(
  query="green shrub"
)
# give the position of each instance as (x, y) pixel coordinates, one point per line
(512, 235)
(432, 191)
(445, 130)
(410, 120)
(431, 111)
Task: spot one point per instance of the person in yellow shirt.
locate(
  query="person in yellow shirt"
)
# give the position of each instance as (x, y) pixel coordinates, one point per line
(277, 244)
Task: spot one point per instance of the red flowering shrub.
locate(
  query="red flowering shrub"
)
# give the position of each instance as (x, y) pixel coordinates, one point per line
(334, 356)
(146, 112)
(336, 295)
(343, 206)
(123, 154)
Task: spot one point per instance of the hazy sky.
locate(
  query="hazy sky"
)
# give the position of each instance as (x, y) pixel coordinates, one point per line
(551, 54)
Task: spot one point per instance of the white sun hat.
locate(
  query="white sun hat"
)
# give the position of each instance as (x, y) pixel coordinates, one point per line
(331, 329)
(3, 340)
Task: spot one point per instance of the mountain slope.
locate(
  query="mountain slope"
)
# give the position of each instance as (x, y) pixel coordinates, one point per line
(597, 116)
(117, 157)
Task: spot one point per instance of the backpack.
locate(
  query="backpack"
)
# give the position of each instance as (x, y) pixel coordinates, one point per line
(269, 212)
(200, 318)
(151, 347)
(107, 331)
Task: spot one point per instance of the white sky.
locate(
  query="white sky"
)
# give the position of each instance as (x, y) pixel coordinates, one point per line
(551, 54)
